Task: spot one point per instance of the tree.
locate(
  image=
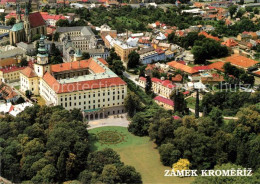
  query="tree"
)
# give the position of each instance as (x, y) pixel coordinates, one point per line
(118, 67)
(46, 175)
(240, 13)
(148, 85)
(62, 23)
(11, 22)
(182, 164)
(197, 105)
(227, 179)
(129, 175)
(85, 176)
(133, 59)
(56, 60)
(28, 94)
(256, 11)
(54, 51)
(232, 10)
(23, 62)
(109, 174)
(132, 103)
(140, 124)
(178, 100)
(98, 159)
(36, 37)
(56, 36)
(169, 154)
(85, 55)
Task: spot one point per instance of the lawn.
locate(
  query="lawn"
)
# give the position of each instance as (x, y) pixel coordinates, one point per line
(138, 152)
(17, 87)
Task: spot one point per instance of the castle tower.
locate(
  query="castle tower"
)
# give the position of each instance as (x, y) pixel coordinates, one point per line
(27, 26)
(77, 55)
(18, 13)
(42, 64)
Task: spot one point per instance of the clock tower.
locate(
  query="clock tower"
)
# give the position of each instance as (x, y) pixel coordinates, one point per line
(42, 64)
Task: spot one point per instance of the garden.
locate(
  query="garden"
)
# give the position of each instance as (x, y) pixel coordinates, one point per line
(136, 151)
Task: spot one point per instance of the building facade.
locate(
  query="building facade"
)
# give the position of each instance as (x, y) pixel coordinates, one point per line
(85, 84)
(27, 25)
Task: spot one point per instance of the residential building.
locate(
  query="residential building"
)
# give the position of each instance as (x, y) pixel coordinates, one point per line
(4, 29)
(161, 87)
(123, 50)
(184, 68)
(164, 102)
(7, 93)
(212, 79)
(51, 20)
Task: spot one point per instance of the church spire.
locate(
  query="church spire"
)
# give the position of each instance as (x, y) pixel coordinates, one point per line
(42, 56)
(18, 13)
(26, 13)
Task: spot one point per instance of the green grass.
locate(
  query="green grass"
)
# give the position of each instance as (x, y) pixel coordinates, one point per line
(141, 153)
(191, 101)
(17, 87)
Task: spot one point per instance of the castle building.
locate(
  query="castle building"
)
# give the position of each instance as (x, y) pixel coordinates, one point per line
(27, 25)
(85, 84)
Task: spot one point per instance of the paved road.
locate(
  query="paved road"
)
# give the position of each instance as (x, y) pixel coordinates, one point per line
(110, 121)
(225, 117)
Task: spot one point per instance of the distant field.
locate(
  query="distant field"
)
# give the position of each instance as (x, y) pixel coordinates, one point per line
(140, 153)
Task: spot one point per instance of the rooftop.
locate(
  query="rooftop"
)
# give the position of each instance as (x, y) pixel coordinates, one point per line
(240, 61)
(182, 67)
(101, 76)
(164, 100)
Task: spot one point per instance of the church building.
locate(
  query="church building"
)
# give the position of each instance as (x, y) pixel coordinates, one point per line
(27, 25)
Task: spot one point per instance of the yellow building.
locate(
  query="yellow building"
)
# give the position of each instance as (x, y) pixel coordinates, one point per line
(9, 72)
(123, 50)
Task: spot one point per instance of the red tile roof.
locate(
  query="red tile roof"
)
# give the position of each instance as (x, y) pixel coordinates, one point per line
(11, 69)
(102, 60)
(201, 68)
(150, 67)
(177, 78)
(28, 72)
(83, 85)
(209, 36)
(47, 16)
(164, 100)
(36, 20)
(142, 78)
(257, 72)
(176, 117)
(217, 66)
(241, 61)
(230, 43)
(179, 66)
(76, 65)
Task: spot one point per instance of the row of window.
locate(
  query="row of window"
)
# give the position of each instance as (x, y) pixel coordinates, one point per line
(70, 104)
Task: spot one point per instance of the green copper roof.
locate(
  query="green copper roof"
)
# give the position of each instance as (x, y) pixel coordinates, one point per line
(78, 53)
(17, 26)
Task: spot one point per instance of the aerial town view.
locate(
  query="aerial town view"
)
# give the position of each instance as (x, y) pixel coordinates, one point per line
(130, 91)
